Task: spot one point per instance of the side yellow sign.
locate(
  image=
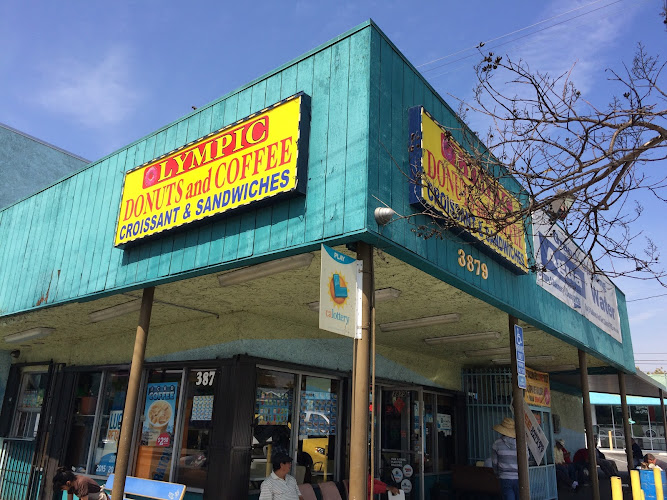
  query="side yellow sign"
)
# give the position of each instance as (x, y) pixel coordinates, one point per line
(445, 180)
(257, 159)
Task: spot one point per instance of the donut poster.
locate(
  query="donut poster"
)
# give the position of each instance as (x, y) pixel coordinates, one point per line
(257, 159)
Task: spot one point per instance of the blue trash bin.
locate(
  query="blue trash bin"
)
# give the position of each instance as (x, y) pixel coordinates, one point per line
(647, 483)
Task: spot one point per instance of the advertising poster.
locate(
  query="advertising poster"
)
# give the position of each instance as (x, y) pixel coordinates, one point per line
(274, 406)
(566, 273)
(115, 419)
(159, 414)
(318, 416)
(340, 293)
(536, 439)
(537, 390)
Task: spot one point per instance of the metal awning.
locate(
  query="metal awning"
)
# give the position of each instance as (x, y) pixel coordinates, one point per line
(606, 380)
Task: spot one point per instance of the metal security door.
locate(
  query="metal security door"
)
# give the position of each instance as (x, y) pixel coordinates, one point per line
(401, 439)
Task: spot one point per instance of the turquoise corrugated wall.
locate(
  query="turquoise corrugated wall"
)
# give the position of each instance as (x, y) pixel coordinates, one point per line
(60, 241)
(396, 86)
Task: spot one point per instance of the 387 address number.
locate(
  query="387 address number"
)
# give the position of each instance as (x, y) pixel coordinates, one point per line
(473, 265)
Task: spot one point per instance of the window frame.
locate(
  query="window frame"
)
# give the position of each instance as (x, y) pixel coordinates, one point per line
(299, 373)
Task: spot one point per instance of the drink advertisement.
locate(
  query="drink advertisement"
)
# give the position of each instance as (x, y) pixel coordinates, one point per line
(159, 414)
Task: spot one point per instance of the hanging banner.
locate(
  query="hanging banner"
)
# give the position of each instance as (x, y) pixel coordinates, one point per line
(255, 160)
(445, 179)
(535, 437)
(537, 393)
(566, 273)
(340, 293)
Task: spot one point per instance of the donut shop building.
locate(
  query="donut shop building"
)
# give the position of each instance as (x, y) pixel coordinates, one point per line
(205, 238)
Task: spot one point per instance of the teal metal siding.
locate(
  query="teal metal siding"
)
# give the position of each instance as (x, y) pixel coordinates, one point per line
(396, 86)
(60, 241)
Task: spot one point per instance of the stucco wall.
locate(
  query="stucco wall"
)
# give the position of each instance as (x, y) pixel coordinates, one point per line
(571, 412)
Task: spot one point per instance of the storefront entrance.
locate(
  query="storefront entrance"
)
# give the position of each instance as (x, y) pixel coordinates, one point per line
(401, 431)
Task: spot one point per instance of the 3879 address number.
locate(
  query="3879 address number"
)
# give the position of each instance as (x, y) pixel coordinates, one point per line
(473, 265)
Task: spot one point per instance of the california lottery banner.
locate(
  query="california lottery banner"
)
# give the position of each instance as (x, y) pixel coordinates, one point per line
(160, 414)
(567, 273)
(257, 159)
(340, 293)
(535, 437)
(444, 179)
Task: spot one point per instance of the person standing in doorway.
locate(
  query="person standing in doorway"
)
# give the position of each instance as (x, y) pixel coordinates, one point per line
(504, 459)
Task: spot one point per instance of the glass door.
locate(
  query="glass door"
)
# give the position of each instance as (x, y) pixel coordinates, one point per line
(401, 440)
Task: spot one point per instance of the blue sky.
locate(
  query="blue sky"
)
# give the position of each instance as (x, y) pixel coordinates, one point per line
(90, 77)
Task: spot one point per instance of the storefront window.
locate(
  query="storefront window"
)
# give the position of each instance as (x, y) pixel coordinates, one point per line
(274, 399)
(197, 425)
(318, 428)
(29, 407)
(111, 408)
(83, 423)
(158, 425)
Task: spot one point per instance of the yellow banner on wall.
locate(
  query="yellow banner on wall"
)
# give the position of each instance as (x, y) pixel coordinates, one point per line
(259, 158)
(537, 390)
(445, 180)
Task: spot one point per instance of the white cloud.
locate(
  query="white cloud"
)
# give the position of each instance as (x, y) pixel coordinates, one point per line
(96, 94)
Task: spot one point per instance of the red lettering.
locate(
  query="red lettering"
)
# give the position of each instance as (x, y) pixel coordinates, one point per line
(285, 152)
(129, 207)
(219, 184)
(271, 163)
(234, 168)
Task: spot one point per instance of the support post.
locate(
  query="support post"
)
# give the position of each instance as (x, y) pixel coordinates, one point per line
(588, 424)
(519, 422)
(664, 417)
(359, 426)
(626, 420)
(131, 398)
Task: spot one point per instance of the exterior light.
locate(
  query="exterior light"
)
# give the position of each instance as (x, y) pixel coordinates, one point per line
(265, 269)
(420, 322)
(32, 334)
(466, 337)
(115, 311)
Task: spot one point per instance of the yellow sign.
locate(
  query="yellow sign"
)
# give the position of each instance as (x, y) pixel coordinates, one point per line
(445, 180)
(537, 390)
(259, 158)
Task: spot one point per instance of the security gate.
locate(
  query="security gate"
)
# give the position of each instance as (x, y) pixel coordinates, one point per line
(489, 400)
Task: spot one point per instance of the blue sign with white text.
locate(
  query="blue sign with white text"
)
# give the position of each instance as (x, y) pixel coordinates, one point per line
(520, 357)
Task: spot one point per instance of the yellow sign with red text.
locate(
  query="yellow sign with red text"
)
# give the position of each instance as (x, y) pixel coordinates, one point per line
(445, 180)
(537, 392)
(256, 159)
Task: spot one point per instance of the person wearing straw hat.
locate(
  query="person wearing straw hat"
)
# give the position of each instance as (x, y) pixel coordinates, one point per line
(504, 459)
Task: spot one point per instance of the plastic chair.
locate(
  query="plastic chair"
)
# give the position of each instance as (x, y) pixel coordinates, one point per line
(307, 492)
(330, 491)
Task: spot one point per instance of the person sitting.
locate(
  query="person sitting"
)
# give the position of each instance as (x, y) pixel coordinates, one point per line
(608, 467)
(650, 459)
(566, 471)
(280, 485)
(81, 486)
(637, 455)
